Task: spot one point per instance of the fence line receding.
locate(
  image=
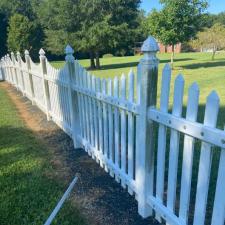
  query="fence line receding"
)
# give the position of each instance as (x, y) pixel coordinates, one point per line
(149, 150)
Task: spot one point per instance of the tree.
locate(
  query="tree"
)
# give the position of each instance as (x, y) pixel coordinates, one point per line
(178, 21)
(60, 21)
(19, 33)
(211, 38)
(26, 8)
(95, 26)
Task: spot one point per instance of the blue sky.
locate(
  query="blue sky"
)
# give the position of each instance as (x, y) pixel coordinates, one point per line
(215, 6)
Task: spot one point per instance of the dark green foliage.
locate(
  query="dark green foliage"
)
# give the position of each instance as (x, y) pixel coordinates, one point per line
(3, 35)
(90, 26)
(19, 33)
(27, 8)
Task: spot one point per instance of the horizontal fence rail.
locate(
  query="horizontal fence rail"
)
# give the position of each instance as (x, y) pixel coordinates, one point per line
(162, 158)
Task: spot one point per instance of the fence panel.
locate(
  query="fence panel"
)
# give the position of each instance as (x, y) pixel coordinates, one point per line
(119, 126)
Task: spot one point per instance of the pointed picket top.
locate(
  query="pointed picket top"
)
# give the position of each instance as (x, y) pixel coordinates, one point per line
(123, 81)
(193, 100)
(41, 52)
(212, 109)
(150, 45)
(194, 87)
(179, 79)
(115, 79)
(26, 52)
(131, 85)
(12, 53)
(178, 95)
(167, 67)
(213, 97)
(18, 53)
(131, 73)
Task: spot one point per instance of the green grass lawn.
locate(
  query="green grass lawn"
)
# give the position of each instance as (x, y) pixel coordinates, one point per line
(196, 67)
(28, 191)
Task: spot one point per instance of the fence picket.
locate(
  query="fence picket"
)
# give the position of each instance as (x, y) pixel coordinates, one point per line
(100, 125)
(131, 131)
(218, 216)
(211, 113)
(111, 131)
(105, 123)
(80, 79)
(77, 82)
(91, 120)
(116, 125)
(164, 104)
(174, 143)
(95, 116)
(123, 129)
(119, 132)
(191, 115)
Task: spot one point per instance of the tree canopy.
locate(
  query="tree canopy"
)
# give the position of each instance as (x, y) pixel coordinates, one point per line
(19, 33)
(178, 21)
(212, 38)
(90, 26)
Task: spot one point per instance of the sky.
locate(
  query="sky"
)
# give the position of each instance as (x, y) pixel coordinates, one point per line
(215, 6)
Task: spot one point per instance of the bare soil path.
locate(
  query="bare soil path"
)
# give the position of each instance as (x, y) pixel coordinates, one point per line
(101, 200)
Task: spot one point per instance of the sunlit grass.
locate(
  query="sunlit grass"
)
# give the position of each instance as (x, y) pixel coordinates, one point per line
(27, 194)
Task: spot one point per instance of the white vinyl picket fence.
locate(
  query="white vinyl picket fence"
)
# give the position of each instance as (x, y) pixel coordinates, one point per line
(118, 124)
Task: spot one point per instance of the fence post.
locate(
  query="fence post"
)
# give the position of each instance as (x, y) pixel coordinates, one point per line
(2, 77)
(45, 83)
(146, 97)
(9, 68)
(73, 98)
(18, 56)
(27, 58)
(14, 69)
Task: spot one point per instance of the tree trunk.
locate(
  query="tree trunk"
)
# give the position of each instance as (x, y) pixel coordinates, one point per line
(214, 52)
(92, 61)
(97, 60)
(172, 56)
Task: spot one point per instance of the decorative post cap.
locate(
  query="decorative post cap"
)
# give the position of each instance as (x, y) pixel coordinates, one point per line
(69, 53)
(41, 52)
(18, 53)
(26, 52)
(12, 53)
(69, 50)
(150, 45)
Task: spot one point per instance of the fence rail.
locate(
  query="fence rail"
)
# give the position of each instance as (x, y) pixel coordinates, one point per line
(147, 149)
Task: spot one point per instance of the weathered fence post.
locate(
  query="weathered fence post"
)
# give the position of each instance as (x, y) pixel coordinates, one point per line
(9, 68)
(45, 83)
(21, 72)
(14, 69)
(146, 97)
(73, 98)
(27, 58)
(2, 77)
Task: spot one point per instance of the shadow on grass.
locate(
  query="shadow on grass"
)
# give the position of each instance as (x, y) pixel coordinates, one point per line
(133, 64)
(217, 63)
(29, 186)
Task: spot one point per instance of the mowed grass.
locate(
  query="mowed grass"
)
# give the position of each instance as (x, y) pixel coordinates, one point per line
(29, 189)
(195, 67)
